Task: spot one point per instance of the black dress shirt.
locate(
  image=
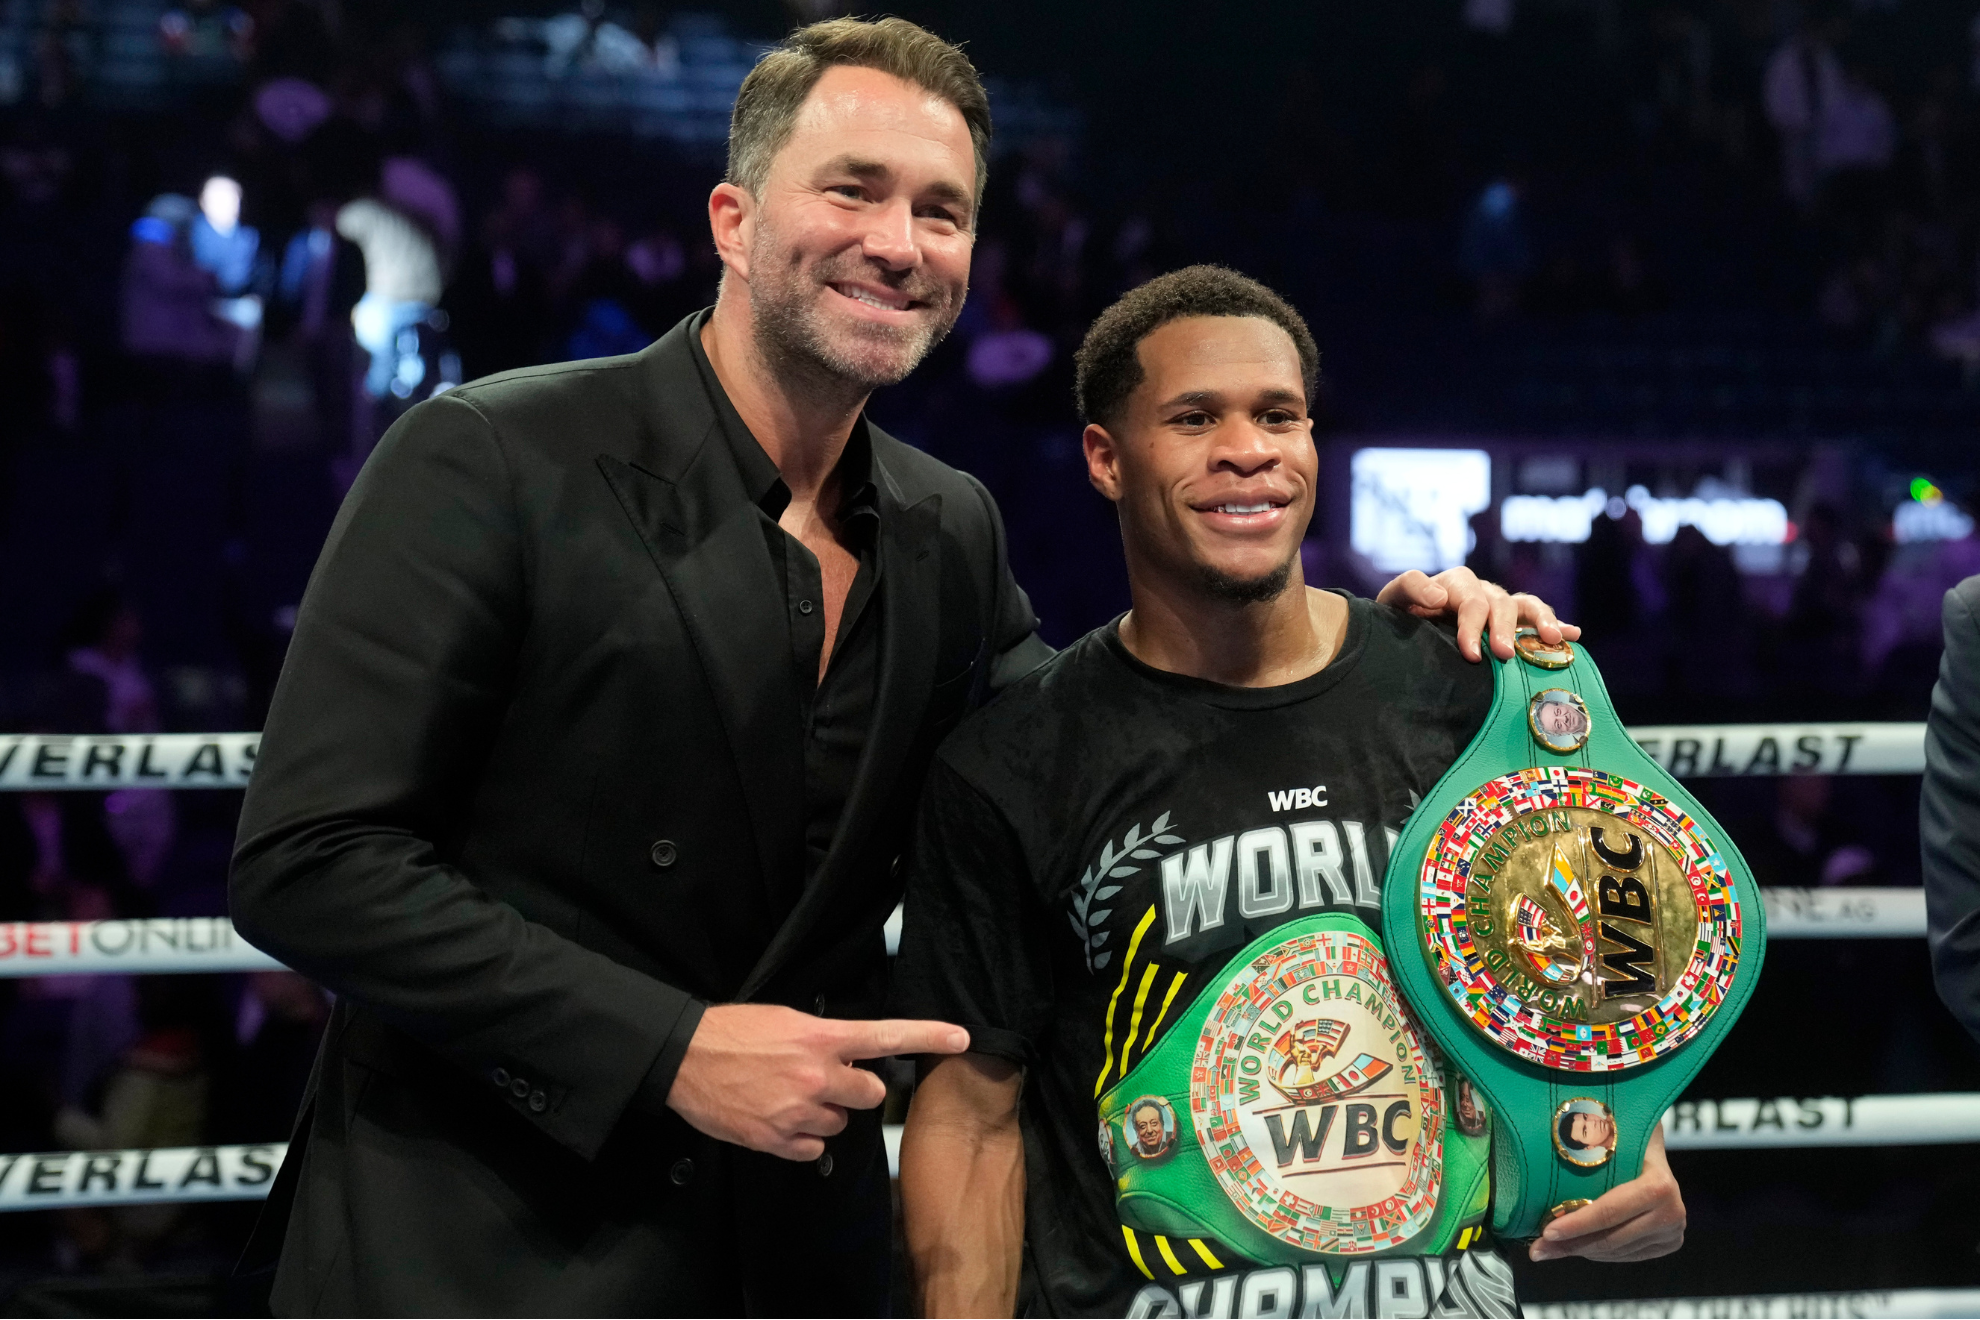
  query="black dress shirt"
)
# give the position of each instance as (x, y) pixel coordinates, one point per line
(838, 709)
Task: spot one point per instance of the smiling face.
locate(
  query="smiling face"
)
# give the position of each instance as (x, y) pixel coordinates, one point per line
(1211, 460)
(1148, 1127)
(1561, 719)
(855, 251)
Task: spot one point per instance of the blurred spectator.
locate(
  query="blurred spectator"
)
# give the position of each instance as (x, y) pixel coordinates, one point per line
(157, 1094)
(402, 287)
(221, 244)
(168, 297)
(1704, 600)
(1902, 636)
(103, 645)
(1820, 630)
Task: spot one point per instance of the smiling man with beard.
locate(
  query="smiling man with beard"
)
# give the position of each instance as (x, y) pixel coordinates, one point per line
(592, 761)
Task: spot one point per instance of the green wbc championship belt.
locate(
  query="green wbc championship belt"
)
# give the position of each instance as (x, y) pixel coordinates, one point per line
(1587, 934)
(1293, 1113)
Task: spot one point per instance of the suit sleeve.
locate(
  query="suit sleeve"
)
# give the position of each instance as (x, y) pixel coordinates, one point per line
(398, 675)
(1015, 646)
(1949, 811)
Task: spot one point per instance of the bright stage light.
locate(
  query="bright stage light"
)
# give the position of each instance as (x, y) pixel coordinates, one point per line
(1567, 518)
(1412, 507)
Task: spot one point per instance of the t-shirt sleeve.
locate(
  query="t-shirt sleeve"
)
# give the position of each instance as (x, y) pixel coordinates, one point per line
(973, 939)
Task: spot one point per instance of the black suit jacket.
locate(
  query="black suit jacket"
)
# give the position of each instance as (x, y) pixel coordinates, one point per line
(533, 762)
(1949, 810)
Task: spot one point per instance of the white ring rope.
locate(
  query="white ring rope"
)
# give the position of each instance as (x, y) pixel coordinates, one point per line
(239, 1173)
(1915, 1303)
(1700, 751)
(147, 947)
(31, 762)
(156, 945)
(41, 763)
(138, 1177)
(1783, 1121)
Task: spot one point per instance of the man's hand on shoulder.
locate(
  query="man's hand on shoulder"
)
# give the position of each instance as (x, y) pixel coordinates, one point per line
(1640, 1220)
(1475, 603)
(777, 1080)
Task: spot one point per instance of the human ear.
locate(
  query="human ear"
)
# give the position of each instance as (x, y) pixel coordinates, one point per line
(732, 221)
(1103, 461)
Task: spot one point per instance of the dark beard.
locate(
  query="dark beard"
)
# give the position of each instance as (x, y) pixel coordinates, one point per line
(1243, 591)
(791, 342)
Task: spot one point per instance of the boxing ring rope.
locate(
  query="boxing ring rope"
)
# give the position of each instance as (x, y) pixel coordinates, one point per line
(159, 946)
(48, 762)
(1913, 1303)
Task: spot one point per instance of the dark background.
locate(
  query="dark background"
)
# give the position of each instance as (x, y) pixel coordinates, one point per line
(1660, 305)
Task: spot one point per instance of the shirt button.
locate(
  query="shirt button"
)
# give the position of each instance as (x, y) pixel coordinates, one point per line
(538, 1102)
(664, 853)
(804, 607)
(682, 1173)
(519, 1088)
(818, 1006)
(825, 1165)
(500, 1077)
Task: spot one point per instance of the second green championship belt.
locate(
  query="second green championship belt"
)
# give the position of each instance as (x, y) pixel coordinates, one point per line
(1585, 934)
(1293, 1114)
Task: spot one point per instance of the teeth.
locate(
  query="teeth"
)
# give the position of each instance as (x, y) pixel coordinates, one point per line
(1243, 508)
(861, 295)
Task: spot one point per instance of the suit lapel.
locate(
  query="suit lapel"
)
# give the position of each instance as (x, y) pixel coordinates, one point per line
(909, 604)
(702, 532)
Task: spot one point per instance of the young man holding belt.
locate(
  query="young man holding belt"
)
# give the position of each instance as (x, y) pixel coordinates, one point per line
(1226, 765)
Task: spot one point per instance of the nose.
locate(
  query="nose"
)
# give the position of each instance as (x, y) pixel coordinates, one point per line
(1246, 448)
(890, 236)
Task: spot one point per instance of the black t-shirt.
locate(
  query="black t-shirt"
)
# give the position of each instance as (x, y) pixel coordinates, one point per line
(1057, 903)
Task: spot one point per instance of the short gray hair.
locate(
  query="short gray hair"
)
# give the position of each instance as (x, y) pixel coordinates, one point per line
(767, 106)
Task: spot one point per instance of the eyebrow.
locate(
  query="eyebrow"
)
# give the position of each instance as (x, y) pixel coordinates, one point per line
(860, 168)
(1200, 397)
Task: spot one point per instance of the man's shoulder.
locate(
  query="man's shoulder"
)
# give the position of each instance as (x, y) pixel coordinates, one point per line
(1396, 634)
(1017, 729)
(1964, 597)
(544, 401)
(917, 475)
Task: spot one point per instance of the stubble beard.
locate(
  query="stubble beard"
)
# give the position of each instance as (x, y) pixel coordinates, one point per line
(793, 339)
(1230, 589)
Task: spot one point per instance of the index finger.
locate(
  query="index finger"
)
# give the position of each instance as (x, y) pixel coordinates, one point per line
(875, 1040)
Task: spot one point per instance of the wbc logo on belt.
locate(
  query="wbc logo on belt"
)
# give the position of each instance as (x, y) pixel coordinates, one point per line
(1314, 1101)
(1578, 919)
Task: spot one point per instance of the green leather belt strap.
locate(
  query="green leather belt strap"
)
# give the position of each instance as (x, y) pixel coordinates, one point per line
(1585, 934)
(1292, 1114)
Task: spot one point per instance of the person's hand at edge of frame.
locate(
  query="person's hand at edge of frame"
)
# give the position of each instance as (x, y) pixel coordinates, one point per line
(780, 1081)
(1476, 603)
(1640, 1220)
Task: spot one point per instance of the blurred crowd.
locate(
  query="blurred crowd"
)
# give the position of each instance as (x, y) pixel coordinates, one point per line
(210, 311)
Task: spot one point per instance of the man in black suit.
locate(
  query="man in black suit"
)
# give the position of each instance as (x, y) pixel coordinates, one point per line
(1949, 810)
(587, 777)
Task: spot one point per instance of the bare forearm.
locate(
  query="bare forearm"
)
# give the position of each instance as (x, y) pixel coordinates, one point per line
(962, 1192)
